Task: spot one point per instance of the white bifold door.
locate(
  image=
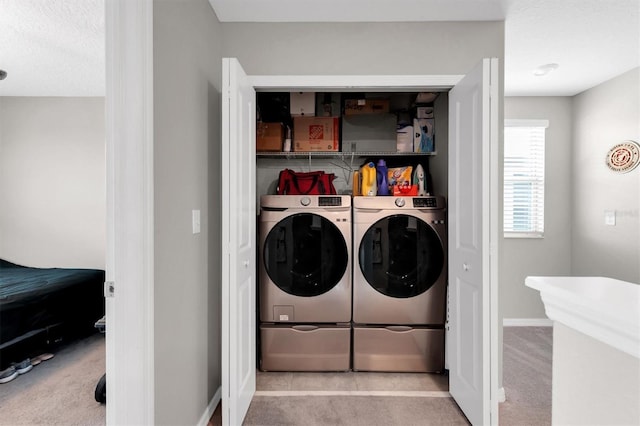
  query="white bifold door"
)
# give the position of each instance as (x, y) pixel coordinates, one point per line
(473, 192)
(473, 210)
(238, 245)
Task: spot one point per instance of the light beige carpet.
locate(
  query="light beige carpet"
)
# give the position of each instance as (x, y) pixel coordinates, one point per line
(526, 374)
(59, 391)
(527, 382)
(353, 411)
(353, 398)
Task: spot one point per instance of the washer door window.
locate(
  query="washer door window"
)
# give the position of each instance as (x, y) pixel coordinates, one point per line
(401, 256)
(305, 255)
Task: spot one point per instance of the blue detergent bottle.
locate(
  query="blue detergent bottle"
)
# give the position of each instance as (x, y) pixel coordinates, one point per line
(382, 177)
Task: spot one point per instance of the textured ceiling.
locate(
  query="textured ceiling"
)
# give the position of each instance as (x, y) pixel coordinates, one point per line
(52, 47)
(56, 47)
(591, 41)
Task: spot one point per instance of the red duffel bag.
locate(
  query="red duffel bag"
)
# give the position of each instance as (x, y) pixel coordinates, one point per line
(305, 183)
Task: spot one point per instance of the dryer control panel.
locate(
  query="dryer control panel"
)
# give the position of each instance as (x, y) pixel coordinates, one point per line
(329, 201)
(424, 202)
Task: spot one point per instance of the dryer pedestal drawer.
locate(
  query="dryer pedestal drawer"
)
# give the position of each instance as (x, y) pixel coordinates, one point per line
(398, 349)
(305, 347)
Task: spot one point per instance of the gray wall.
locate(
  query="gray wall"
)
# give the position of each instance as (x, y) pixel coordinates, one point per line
(579, 188)
(362, 48)
(187, 79)
(52, 181)
(604, 116)
(550, 255)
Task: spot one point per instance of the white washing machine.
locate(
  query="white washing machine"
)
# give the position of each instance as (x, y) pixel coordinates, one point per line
(305, 282)
(399, 283)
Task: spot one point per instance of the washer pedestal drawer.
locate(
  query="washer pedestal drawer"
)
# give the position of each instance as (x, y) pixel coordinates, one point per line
(288, 347)
(398, 349)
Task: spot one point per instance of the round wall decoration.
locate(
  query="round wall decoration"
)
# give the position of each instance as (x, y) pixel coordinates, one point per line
(624, 157)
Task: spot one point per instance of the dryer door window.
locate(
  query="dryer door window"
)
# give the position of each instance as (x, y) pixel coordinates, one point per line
(401, 256)
(305, 255)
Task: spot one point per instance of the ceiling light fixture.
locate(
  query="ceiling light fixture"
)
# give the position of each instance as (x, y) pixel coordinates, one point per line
(545, 69)
(3, 74)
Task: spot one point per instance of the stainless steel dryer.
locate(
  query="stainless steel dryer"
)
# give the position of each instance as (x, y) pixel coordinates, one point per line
(399, 283)
(305, 282)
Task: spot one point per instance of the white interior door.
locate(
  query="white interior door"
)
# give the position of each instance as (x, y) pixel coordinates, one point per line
(238, 245)
(472, 144)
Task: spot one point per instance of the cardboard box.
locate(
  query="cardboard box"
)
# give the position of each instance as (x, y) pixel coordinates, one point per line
(269, 136)
(316, 133)
(303, 103)
(369, 133)
(426, 97)
(424, 135)
(327, 104)
(424, 112)
(365, 106)
(404, 139)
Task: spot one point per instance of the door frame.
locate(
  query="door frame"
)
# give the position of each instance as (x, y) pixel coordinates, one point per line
(355, 83)
(130, 212)
(394, 83)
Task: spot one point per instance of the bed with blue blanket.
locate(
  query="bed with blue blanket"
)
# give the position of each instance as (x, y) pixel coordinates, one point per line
(43, 307)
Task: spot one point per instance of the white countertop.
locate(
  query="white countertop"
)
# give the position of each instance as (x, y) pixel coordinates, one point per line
(604, 308)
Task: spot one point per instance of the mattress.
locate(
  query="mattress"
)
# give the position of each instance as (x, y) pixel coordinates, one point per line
(46, 305)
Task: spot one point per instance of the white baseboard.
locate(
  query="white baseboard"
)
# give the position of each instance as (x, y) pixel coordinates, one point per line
(502, 396)
(404, 394)
(208, 412)
(527, 322)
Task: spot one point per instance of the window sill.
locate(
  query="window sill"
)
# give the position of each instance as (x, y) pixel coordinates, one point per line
(523, 235)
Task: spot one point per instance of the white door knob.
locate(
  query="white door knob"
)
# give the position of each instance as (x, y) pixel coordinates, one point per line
(465, 266)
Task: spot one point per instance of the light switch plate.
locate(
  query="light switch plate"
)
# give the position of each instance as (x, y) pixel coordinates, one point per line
(195, 221)
(610, 217)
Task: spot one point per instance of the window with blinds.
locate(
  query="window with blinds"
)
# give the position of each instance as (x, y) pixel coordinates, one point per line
(524, 142)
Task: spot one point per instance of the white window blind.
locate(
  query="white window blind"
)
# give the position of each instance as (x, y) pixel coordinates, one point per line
(524, 142)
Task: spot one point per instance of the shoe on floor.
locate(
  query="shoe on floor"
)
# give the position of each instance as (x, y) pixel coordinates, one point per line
(8, 375)
(42, 357)
(23, 366)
